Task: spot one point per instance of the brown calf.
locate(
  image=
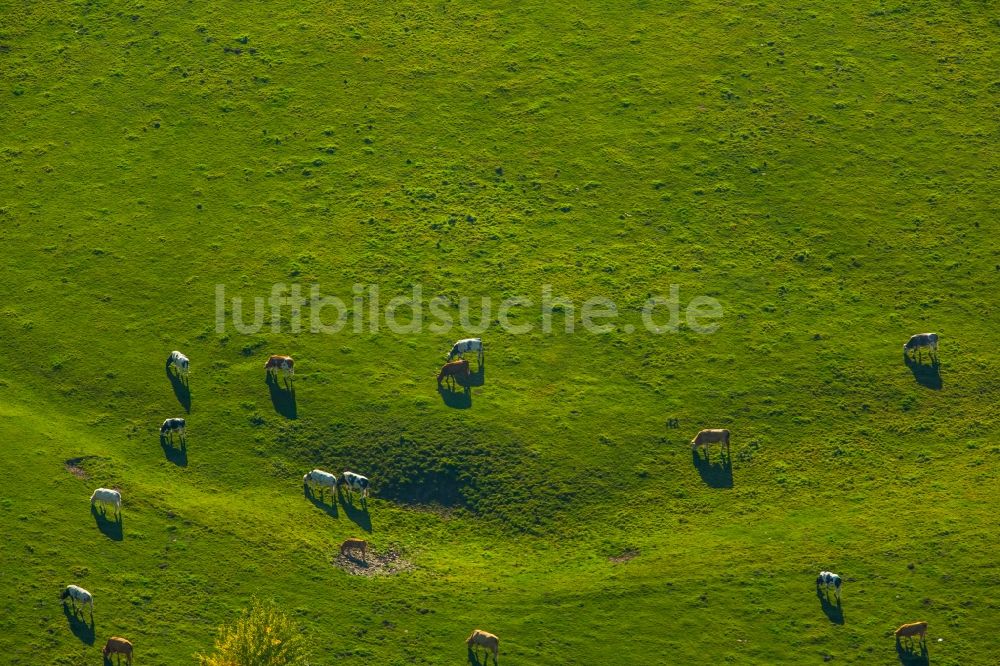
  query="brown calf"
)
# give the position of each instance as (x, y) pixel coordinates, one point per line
(354, 544)
(485, 639)
(911, 630)
(119, 646)
(454, 369)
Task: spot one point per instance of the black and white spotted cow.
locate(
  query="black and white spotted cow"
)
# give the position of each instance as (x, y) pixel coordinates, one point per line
(170, 426)
(356, 483)
(829, 579)
(317, 478)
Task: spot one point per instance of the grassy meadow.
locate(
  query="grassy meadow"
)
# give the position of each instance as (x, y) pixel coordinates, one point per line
(826, 171)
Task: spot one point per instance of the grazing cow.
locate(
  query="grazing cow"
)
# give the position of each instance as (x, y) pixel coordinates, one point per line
(179, 362)
(919, 342)
(76, 593)
(354, 544)
(105, 496)
(485, 639)
(322, 479)
(170, 426)
(706, 437)
(283, 364)
(467, 345)
(355, 482)
(829, 579)
(452, 370)
(911, 630)
(119, 646)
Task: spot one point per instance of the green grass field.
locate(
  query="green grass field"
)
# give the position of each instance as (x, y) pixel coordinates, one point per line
(826, 171)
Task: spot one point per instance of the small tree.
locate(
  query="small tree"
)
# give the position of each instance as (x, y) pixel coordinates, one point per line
(262, 636)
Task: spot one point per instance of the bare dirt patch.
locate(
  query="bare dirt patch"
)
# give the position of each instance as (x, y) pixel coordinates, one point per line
(75, 467)
(625, 556)
(378, 564)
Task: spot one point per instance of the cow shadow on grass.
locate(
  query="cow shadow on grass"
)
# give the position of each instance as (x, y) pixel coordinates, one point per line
(181, 390)
(926, 375)
(282, 398)
(178, 455)
(908, 656)
(715, 474)
(833, 612)
(475, 379)
(329, 509)
(456, 399)
(78, 623)
(474, 659)
(358, 516)
(111, 528)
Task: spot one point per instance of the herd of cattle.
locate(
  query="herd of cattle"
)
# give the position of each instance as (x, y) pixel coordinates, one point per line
(352, 482)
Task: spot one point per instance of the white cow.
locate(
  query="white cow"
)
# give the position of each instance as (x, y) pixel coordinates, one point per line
(76, 593)
(180, 363)
(355, 482)
(706, 437)
(321, 479)
(105, 496)
(467, 345)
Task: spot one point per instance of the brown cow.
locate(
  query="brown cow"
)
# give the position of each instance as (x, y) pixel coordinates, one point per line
(119, 646)
(911, 630)
(454, 369)
(480, 638)
(355, 544)
(283, 364)
(706, 437)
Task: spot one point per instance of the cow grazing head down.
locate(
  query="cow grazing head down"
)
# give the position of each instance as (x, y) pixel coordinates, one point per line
(277, 362)
(352, 482)
(485, 639)
(920, 341)
(354, 544)
(118, 645)
(911, 630)
(179, 360)
(170, 425)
